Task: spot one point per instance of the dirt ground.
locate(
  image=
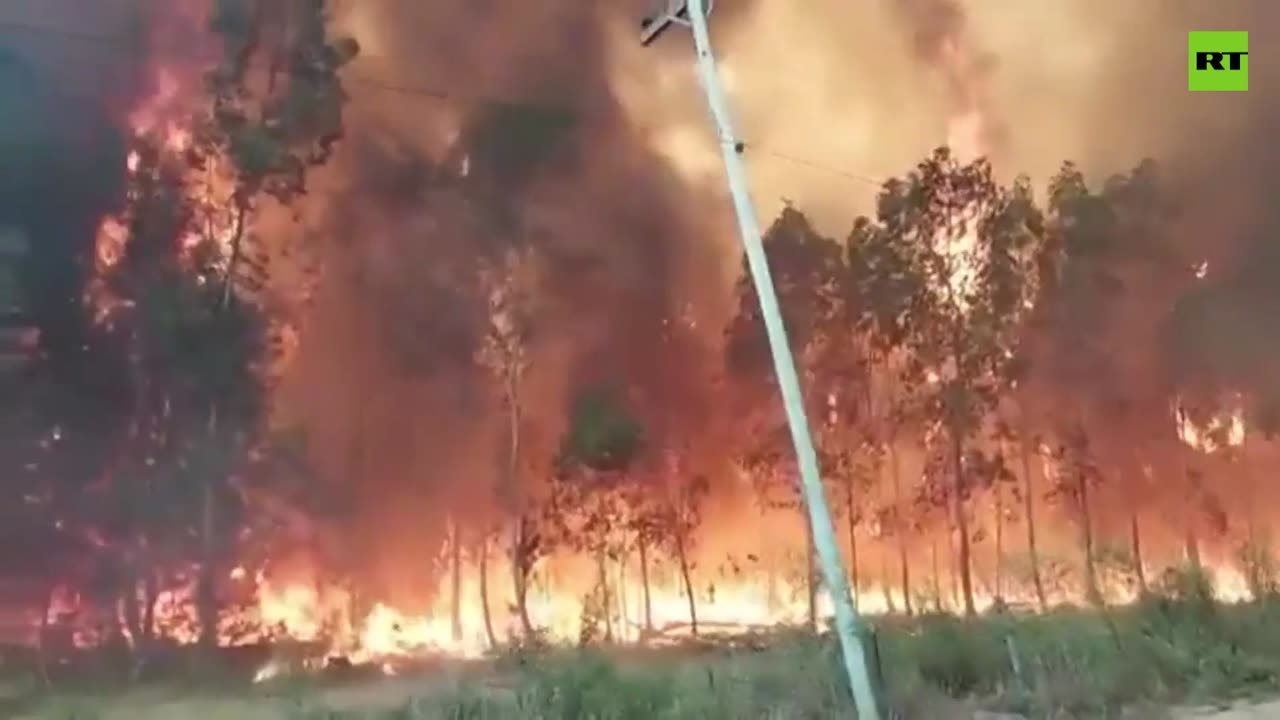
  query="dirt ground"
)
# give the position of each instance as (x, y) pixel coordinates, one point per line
(1267, 711)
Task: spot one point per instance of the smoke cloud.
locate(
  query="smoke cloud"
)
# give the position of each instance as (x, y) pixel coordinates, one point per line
(627, 208)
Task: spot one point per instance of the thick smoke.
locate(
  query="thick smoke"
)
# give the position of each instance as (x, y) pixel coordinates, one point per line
(533, 151)
(599, 157)
(625, 207)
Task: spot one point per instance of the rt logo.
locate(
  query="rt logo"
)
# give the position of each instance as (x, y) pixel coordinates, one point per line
(1217, 61)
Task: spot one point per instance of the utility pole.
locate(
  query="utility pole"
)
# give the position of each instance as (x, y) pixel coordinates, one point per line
(693, 14)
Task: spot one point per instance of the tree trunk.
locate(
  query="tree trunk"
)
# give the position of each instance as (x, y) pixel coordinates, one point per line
(953, 564)
(999, 589)
(206, 589)
(1192, 541)
(237, 247)
(810, 576)
(1193, 550)
(1086, 528)
(150, 596)
(42, 656)
(962, 523)
(687, 574)
(132, 611)
(520, 569)
(606, 602)
(643, 546)
(937, 578)
(900, 526)
(1028, 499)
(485, 610)
(886, 584)
(129, 598)
(771, 584)
(624, 625)
(520, 562)
(1138, 566)
(853, 544)
(455, 580)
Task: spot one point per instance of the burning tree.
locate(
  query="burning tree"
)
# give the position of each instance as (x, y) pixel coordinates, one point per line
(261, 137)
(953, 255)
(504, 351)
(808, 273)
(195, 374)
(180, 345)
(1075, 475)
(890, 411)
(667, 517)
(587, 508)
(264, 134)
(1106, 271)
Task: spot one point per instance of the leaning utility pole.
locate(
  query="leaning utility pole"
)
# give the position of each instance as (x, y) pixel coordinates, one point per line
(693, 14)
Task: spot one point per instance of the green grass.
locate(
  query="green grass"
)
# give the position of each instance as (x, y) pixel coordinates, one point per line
(1178, 646)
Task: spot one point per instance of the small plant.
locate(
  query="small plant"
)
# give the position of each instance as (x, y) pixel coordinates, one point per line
(592, 687)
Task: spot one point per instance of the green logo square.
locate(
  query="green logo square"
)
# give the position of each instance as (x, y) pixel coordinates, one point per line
(1217, 61)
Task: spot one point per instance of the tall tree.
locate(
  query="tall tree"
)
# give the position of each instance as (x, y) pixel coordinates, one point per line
(948, 260)
(597, 455)
(504, 351)
(676, 519)
(808, 273)
(1108, 278)
(265, 131)
(197, 373)
(262, 133)
(1075, 474)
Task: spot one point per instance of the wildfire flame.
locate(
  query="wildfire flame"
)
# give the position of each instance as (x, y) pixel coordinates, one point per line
(329, 616)
(304, 612)
(160, 120)
(1223, 430)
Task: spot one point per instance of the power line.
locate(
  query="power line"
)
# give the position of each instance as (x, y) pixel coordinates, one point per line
(124, 45)
(813, 165)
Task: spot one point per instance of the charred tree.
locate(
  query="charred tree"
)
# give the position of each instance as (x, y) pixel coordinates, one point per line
(964, 563)
(504, 352)
(999, 580)
(455, 580)
(525, 548)
(604, 588)
(642, 546)
(485, 608)
(1075, 473)
(851, 515)
(1029, 510)
(937, 577)
(900, 527)
(1086, 531)
(207, 605)
(1135, 538)
(686, 574)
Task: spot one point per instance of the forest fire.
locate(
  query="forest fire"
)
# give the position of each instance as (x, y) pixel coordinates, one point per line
(524, 408)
